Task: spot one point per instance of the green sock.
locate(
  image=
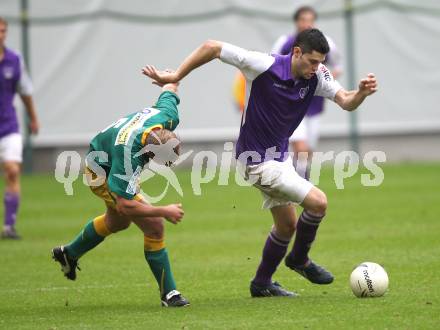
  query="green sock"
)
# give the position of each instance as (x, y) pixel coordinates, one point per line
(87, 239)
(160, 266)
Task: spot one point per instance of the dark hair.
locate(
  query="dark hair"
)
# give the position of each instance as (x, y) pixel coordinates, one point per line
(302, 10)
(310, 40)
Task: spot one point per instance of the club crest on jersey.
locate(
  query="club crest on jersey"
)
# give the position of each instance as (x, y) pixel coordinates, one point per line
(303, 92)
(8, 72)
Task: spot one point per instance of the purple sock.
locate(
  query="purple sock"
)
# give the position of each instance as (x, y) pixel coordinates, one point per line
(306, 229)
(11, 201)
(273, 252)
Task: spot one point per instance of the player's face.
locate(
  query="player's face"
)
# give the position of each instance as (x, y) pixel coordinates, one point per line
(305, 21)
(3, 32)
(306, 64)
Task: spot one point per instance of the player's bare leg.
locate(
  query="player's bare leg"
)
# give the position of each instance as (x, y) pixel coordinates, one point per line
(285, 219)
(315, 202)
(11, 172)
(115, 222)
(315, 206)
(156, 256)
(274, 251)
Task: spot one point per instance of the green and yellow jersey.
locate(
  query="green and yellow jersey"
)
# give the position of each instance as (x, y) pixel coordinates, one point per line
(123, 140)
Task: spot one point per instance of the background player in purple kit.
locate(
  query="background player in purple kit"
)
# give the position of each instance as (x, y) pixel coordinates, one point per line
(13, 79)
(280, 90)
(306, 135)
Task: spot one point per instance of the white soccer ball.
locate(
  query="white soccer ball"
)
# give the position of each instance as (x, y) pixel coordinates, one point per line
(369, 280)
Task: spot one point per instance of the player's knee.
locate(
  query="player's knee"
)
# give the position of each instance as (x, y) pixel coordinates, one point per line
(319, 206)
(155, 230)
(12, 174)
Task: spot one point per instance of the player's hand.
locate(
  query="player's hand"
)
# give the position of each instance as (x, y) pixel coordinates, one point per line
(34, 126)
(160, 77)
(174, 213)
(368, 86)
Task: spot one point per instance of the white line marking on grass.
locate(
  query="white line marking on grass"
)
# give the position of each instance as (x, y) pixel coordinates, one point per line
(77, 288)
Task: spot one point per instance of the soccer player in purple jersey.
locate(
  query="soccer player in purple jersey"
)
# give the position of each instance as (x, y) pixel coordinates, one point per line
(306, 135)
(280, 89)
(13, 79)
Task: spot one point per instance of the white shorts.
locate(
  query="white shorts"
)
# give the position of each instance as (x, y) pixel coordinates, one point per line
(278, 182)
(308, 130)
(11, 148)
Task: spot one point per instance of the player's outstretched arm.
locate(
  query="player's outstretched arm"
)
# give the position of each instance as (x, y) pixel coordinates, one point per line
(350, 100)
(208, 51)
(133, 208)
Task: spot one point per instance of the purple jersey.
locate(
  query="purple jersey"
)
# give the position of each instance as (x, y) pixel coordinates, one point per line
(287, 46)
(13, 79)
(284, 46)
(276, 104)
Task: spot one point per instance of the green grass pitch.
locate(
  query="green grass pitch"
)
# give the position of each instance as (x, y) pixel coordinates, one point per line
(215, 252)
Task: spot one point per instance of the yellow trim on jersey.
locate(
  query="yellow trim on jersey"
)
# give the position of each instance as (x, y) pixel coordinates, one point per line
(140, 198)
(147, 131)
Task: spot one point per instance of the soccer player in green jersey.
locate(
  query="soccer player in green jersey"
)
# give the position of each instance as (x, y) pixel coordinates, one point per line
(114, 163)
